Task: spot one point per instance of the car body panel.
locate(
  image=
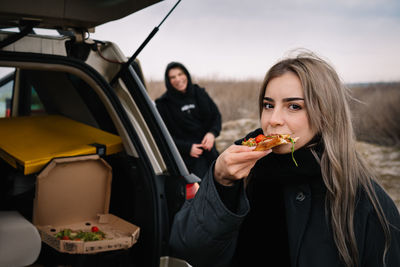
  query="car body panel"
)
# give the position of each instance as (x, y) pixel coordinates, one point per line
(35, 44)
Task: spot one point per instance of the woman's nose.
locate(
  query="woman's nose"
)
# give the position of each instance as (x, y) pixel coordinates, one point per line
(276, 117)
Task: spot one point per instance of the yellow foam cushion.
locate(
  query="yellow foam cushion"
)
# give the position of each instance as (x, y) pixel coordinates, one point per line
(31, 142)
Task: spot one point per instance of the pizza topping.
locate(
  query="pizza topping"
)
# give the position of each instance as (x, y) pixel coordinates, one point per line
(249, 142)
(94, 235)
(293, 142)
(260, 138)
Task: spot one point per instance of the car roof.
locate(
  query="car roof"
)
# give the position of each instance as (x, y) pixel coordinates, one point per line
(66, 14)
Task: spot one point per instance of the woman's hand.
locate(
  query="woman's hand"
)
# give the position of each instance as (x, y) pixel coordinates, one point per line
(235, 163)
(196, 150)
(208, 141)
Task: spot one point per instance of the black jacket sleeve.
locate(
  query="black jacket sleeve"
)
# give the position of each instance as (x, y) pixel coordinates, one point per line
(375, 237)
(204, 231)
(229, 194)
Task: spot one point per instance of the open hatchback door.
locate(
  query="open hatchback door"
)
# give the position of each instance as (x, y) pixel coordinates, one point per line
(68, 14)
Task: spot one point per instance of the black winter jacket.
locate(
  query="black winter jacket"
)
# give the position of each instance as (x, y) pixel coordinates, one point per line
(207, 232)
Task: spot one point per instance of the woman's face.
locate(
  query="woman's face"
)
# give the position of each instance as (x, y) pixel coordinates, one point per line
(178, 79)
(284, 111)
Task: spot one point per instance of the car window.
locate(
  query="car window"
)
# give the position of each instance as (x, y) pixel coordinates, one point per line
(36, 104)
(6, 90)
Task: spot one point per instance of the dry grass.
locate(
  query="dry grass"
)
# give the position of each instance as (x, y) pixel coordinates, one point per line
(235, 99)
(377, 117)
(376, 112)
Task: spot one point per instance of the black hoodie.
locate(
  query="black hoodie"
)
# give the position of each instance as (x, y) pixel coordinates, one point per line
(188, 117)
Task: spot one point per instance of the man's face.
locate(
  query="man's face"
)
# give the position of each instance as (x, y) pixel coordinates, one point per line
(178, 79)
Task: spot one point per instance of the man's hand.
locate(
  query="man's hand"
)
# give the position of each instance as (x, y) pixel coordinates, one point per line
(196, 150)
(208, 141)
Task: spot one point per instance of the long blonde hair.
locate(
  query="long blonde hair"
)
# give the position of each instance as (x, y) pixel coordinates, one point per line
(343, 169)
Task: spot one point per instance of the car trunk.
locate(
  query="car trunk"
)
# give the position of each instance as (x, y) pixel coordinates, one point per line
(134, 191)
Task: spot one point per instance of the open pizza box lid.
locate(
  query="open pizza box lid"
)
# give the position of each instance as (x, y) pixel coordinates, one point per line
(74, 193)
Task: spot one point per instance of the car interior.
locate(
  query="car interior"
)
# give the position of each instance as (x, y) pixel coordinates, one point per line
(48, 92)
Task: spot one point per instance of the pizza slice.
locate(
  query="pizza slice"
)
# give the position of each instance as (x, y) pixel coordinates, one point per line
(265, 142)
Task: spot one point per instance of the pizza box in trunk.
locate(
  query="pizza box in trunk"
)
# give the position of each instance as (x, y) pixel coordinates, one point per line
(74, 193)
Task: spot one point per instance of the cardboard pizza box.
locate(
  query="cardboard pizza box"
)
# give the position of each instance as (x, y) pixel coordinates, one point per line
(29, 143)
(74, 193)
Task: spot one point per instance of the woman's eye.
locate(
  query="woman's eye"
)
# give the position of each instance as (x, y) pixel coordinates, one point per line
(268, 106)
(294, 106)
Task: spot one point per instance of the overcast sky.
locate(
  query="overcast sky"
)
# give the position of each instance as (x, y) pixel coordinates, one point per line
(238, 39)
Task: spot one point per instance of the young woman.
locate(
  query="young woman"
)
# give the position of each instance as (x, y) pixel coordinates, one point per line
(192, 118)
(258, 208)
